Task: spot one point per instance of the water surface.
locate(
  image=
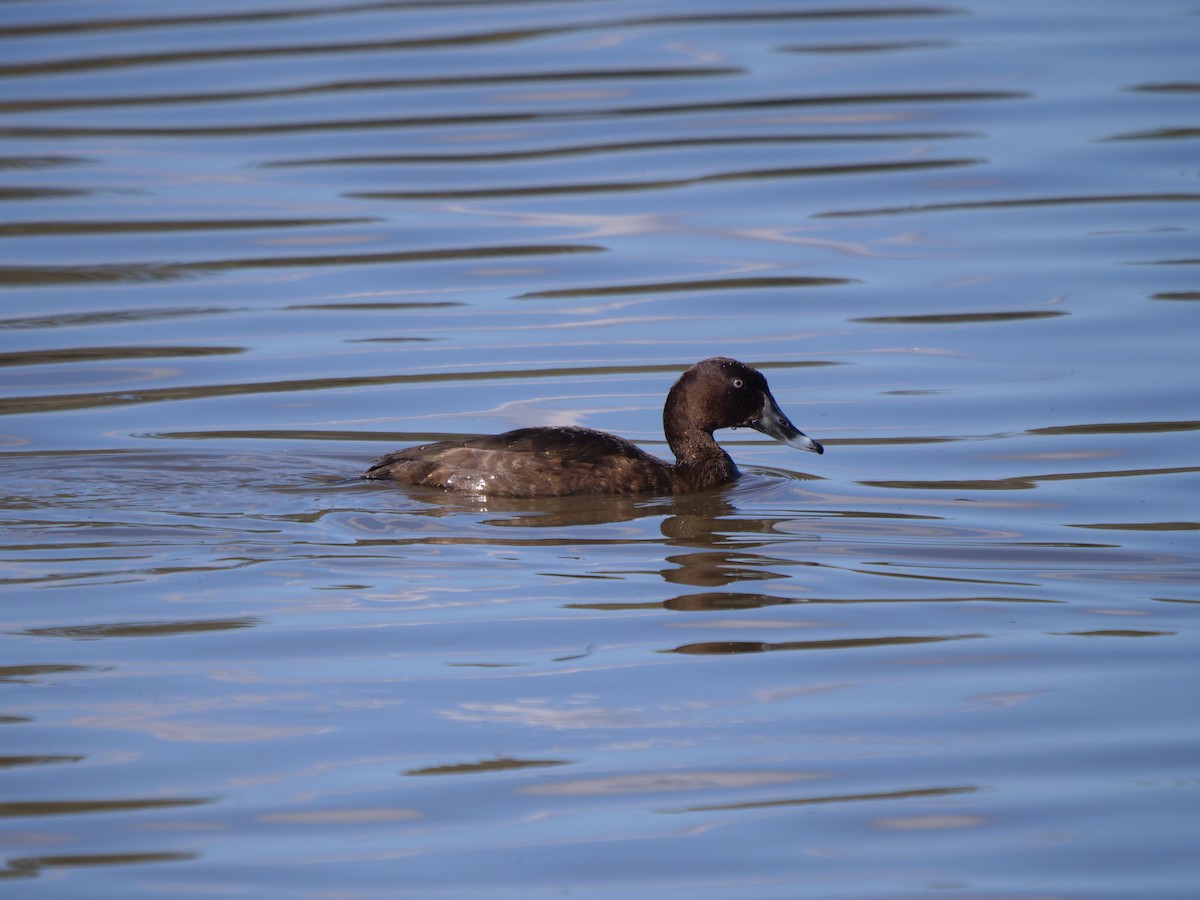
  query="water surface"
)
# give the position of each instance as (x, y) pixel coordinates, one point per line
(246, 249)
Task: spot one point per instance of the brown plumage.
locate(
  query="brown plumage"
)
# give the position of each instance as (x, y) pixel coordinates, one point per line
(559, 461)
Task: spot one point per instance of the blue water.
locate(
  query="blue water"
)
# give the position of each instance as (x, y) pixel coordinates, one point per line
(245, 249)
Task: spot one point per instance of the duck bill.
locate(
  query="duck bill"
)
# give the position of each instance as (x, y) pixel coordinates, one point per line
(773, 423)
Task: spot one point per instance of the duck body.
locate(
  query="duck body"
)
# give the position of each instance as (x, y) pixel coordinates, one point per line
(532, 462)
(562, 461)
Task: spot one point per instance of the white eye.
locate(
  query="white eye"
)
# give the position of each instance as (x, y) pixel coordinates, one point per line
(737, 382)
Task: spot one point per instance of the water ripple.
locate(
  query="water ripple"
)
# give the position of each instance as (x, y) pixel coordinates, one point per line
(1014, 203)
(670, 183)
(147, 272)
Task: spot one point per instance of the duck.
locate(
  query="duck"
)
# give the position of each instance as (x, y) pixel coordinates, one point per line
(559, 461)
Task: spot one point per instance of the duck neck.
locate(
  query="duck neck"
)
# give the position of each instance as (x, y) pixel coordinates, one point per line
(699, 460)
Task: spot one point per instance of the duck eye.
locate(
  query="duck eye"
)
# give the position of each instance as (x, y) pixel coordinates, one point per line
(737, 382)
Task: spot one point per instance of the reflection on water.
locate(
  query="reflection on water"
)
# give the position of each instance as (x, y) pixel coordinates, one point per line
(139, 629)
(248, 249)
(719, 647)
(843, 798)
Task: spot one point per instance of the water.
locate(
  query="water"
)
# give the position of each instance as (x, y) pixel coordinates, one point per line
(246, 249)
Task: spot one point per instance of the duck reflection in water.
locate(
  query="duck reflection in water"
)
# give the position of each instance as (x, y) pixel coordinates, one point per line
(561, 461)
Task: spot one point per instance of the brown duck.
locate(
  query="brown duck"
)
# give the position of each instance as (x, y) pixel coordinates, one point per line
(560, 461)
